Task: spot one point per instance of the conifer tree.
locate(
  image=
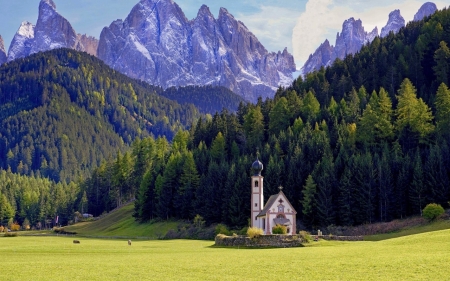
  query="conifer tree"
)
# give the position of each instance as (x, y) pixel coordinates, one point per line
(443, 111)
(309, 202)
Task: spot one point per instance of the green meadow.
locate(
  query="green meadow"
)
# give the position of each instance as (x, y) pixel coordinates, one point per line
(417, 257)
(122, 224)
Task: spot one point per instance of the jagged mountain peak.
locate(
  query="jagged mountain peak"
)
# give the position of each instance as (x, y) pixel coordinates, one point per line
(47, 2)
(2, 51)
(157, 44)
(204, 11)
(47, 9)
(26, 29)
(348, 41)
(51, 31)
(395, 22)
(425, 10)
(22, 42)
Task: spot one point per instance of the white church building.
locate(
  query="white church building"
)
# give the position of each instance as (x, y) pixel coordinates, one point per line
(277, 210)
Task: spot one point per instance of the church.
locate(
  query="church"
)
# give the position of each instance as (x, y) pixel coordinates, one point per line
(277, 210)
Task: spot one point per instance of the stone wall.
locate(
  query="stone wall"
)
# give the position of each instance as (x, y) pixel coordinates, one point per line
(279, 241)
(340, 238)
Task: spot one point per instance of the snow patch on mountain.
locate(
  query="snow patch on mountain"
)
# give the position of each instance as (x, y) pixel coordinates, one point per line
(170, 50)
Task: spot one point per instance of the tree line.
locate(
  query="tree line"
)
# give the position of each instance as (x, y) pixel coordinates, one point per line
(362, 141)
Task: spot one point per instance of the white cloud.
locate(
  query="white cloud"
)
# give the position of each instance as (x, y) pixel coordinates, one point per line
(272, 25)
(322, 20)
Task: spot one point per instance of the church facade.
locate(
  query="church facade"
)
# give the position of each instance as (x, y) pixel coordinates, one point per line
(277, 210)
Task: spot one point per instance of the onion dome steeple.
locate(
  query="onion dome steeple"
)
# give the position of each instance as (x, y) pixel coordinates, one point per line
(257, 167)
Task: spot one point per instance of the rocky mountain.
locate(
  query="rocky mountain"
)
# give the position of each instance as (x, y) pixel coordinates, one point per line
(395, 22)
(353, 37)
(349, 41)
(22, 42)
(158, 44)
(52, 31)
(426, 10)
(2, 51)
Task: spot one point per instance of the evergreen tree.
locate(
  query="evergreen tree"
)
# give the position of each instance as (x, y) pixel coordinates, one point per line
(279, 117)
(309, 202)
(443, 111)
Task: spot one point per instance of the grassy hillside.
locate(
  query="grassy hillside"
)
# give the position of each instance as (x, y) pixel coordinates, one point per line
(433, 226)
(120, 223)
(417, 257)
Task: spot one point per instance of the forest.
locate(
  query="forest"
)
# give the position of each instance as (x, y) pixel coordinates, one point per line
(364, 140)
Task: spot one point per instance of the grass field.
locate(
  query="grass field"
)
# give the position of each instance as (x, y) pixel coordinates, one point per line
(432, 226)
(121, 223)
(416, 257)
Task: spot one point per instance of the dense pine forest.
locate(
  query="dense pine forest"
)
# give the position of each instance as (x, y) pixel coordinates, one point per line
(63, 112)
(208, 99)
(362, 141)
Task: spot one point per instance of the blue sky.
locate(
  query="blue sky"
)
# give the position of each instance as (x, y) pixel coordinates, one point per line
(299, 25)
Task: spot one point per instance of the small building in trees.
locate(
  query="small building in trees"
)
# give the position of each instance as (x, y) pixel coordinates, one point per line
(277, 210)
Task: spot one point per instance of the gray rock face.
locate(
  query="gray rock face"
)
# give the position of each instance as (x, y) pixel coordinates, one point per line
(52, 31)
(425, 10)
(395, 22)
(22, 42)
(158, 44)
(349, 41)
(87, 44)
(321, 57)
(371, 35)
(2, 51)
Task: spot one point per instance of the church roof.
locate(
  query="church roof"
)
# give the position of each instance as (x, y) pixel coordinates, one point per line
(282, 221)
(271, 201)
(268, 205)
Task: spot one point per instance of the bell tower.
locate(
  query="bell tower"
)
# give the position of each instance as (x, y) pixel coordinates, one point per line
(257, 194)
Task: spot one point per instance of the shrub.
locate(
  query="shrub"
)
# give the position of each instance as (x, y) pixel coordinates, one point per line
(279, 229)
(26, 224)
(199, 221)
(15, 227)
(221, 236)
(432, 211)
(306, 236)
(243, 231)
(253, 232)
(222, 229)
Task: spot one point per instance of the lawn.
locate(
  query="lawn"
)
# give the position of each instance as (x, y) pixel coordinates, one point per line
(416, 257)
(122, 224)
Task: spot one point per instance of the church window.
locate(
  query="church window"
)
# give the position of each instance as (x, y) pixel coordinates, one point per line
(280, 216)
(281, 208)
(256, 183)
(256, 204)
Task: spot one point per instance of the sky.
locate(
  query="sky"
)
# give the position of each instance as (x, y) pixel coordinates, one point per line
(298, 25)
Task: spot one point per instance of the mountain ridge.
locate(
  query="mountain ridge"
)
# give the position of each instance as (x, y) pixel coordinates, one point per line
(356, 38)
(172, 51)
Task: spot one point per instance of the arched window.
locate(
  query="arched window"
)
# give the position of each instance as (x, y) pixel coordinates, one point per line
(281, 208)
(280, 216)
(256, 183)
